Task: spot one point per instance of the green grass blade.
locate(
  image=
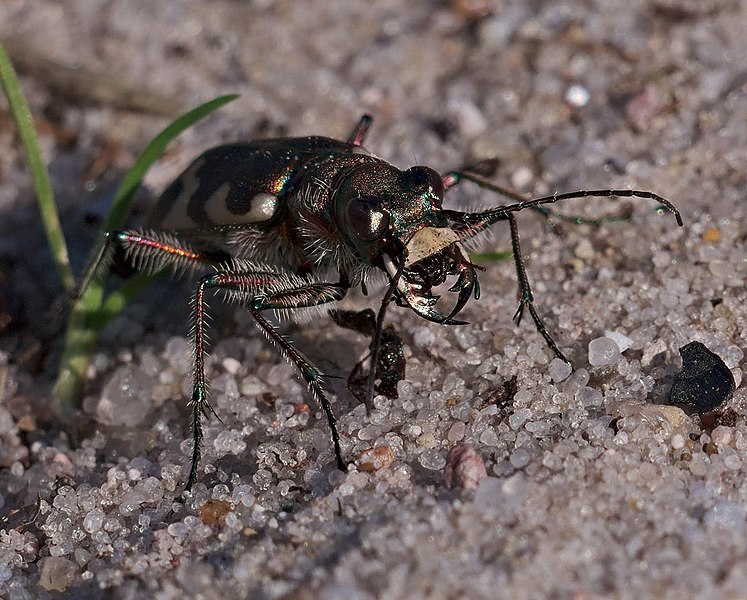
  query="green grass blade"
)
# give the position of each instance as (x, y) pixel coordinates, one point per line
(131, 181)
(488, 257)
(40, 177)
(118, 300)
(80, 340)
(87, 319)
(92, 311)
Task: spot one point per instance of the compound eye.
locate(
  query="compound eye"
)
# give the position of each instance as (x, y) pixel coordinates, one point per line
(367, 219)
(437, 185)
(426, 180)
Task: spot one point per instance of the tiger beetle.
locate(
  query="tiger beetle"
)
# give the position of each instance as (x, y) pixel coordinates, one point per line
(274, 218)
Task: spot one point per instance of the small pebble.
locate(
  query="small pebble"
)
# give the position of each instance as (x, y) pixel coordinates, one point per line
(672, 414)
(705, 382)
(214, 512)
(603, 351)
(432, 459)
(231, 365)
(375, 459)
(623, 341)
(712, 235)
(519, 458)
(577, 95)
(125, 399)
(590, 397)
(559, 370)
(456, 432)
(93, 521)
(721, 435)
(464, 468)
(57, 574)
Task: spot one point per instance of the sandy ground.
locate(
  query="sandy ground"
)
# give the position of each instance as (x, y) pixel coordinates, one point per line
(591, 489)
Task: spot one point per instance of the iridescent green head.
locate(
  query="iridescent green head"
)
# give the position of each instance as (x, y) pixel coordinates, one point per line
(393, 220)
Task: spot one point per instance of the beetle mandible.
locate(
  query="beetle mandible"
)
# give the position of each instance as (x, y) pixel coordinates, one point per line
(274, 217)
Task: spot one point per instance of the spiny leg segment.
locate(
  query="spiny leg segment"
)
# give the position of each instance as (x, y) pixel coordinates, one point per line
(147, 250)
(260, 287)
(526, 298)
(243, 286)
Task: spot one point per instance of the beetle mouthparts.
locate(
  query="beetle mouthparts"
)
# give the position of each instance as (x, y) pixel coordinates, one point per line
(427, 241)
(418, 278)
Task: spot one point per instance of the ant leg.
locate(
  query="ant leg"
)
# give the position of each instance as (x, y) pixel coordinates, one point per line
(390, 361)
(378, 332)
(359, 133)
(526, 298)
(249, 286)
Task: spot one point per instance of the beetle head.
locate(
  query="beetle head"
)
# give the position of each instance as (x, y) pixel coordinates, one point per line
(393, 220)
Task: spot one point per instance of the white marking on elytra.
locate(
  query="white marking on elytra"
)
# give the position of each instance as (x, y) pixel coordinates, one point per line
(215, 206)
(178, 217)
(262, 207)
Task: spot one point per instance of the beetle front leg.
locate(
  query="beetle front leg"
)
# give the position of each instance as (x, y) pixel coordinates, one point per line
(468, 225)
(526, 298)
(243, 286)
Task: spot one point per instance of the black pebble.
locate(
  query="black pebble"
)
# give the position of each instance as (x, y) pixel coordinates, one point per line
(705, 382)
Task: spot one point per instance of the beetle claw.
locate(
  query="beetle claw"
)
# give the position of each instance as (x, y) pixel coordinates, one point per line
(465, 285)
(415, 285)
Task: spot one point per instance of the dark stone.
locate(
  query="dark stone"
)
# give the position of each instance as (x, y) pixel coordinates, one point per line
(705, 382)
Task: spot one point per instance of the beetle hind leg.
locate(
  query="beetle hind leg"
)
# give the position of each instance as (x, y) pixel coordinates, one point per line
(148, 251)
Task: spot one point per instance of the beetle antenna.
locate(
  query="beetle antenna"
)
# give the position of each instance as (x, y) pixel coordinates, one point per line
(453, 178)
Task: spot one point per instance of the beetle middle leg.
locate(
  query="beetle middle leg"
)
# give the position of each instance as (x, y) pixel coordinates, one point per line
(262, 289)
(360, 131)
